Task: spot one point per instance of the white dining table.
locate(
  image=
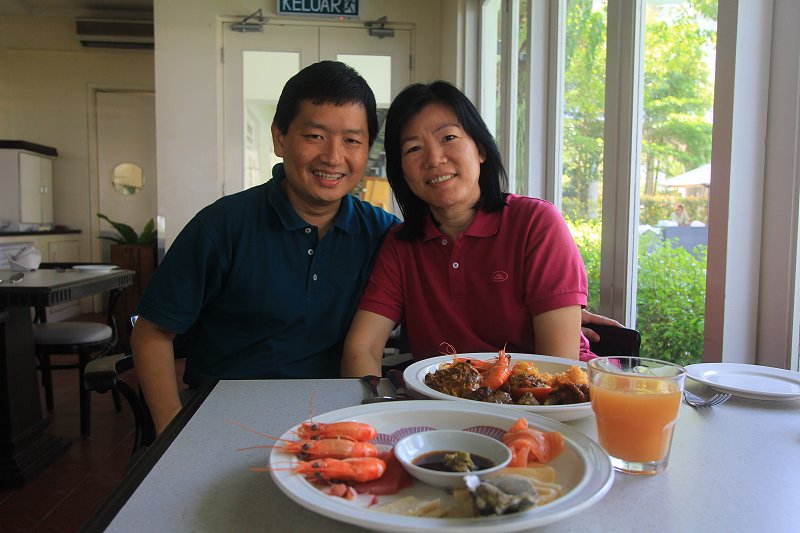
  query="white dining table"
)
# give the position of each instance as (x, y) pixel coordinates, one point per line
(733, 467)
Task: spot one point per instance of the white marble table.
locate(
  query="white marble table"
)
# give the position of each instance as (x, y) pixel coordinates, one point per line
(734, 467)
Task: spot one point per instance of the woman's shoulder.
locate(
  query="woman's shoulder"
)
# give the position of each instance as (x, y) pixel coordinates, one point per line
(519, 205)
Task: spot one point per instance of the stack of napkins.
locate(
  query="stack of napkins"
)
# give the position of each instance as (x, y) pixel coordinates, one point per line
(27, 259)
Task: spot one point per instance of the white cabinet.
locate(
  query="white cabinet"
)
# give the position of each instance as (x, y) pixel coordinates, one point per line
(26, 185)
(35, 189)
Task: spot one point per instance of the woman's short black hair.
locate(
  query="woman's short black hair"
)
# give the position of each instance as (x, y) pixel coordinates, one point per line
(493, 180)
(326, 82)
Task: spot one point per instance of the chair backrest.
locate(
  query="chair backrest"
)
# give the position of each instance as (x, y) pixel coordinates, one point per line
(615, 341)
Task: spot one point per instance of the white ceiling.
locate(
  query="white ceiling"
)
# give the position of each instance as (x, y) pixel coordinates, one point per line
(140, 9)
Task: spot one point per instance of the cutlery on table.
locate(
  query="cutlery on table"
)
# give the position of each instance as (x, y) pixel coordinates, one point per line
(15, 278)
(372, 383)
(399, 384)
(696, 401)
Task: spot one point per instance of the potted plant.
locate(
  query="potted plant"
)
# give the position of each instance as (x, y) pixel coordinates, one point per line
(131, 251)
(127, 235)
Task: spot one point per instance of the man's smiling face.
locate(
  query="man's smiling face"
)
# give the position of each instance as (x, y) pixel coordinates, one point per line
(325, 152)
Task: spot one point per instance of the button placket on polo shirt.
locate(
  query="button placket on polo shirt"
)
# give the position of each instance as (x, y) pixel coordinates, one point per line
(455, 269)
(313, 277)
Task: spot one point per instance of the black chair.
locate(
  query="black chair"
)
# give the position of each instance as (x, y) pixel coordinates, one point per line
(86, 339)
(118, 373)
(615, 341)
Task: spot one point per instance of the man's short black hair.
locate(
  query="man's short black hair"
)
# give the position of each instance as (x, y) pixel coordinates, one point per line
(326, 82)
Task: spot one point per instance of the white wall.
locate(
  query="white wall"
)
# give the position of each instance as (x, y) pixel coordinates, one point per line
(188, 81)
(44, 89)
(777, 341)
(752, 289)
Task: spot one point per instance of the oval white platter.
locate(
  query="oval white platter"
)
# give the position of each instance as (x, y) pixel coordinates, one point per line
(414, 376)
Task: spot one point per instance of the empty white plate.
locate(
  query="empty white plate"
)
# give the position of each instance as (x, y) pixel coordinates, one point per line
(748, 381)
(95, 268)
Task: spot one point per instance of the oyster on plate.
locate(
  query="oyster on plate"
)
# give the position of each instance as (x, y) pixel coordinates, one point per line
(500, 495)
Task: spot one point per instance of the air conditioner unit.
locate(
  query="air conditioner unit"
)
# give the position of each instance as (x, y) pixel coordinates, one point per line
(102, 33)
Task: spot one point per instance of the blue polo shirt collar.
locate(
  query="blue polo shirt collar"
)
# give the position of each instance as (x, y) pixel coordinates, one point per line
(483, 225)
(346, 219)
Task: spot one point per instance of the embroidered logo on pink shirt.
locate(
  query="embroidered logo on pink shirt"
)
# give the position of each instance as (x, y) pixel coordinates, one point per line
(498, 276)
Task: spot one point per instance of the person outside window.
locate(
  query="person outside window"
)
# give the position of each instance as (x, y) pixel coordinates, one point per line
(680, 216)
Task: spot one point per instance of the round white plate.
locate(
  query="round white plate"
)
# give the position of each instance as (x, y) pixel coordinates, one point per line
(748, 381)
(95, 268)
(414, 376)
(583, 469)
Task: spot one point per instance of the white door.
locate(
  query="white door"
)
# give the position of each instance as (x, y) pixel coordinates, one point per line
(126, 139)
(257, 65)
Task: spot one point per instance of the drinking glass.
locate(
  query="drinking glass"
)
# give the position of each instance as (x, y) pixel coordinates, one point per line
(636, 401)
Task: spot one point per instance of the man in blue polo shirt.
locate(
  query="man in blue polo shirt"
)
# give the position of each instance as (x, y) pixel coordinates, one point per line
(269, 279)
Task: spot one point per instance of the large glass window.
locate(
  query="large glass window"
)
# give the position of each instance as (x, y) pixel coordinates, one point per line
(678, 71)
(643, 106)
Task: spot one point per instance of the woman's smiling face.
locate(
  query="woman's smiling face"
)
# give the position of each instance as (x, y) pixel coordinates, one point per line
(441, 162)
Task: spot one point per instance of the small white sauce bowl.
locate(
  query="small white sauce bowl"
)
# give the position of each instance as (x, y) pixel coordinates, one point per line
(413, 446)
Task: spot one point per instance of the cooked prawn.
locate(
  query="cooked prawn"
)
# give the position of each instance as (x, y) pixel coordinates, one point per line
(481, 365)
(318, 430)
(337, 448)
(353, 430)
(499, 372)
(357, 469)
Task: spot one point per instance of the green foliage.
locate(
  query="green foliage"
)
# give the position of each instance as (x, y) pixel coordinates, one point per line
(671, 293)
(127, 235)
(671, 301)
(587, 237)
(678, 94)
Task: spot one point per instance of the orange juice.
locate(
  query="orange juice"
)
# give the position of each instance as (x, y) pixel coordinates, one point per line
(635, 418)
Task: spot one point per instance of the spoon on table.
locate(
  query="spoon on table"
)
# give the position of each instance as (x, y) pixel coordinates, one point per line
(14, 278)
(372, 383)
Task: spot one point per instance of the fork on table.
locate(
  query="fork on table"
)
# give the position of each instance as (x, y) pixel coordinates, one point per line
(696, 401)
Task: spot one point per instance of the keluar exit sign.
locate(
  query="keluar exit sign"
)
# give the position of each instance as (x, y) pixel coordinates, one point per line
(320, 8)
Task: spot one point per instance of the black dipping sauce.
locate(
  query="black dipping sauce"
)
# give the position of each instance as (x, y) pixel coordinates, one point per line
(435, 461)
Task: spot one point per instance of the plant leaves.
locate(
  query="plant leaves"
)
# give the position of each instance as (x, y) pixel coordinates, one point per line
(149, 233)
(127, 234)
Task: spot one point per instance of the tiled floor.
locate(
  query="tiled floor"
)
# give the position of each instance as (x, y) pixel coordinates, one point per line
(63, 496)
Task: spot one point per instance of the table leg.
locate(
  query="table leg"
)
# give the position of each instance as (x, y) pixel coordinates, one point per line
(25, 449)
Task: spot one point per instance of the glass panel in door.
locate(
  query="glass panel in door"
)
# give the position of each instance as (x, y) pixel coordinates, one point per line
(264, 74)
(255, 68)
(384, 63)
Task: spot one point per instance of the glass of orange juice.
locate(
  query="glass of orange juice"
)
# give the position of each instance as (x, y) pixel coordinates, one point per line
(636, 401)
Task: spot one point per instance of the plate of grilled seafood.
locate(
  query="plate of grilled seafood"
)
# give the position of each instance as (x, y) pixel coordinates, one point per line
(554, 387)
(370, 491)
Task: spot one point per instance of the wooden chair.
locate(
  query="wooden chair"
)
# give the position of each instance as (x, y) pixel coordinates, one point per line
(118, 373)
(86, 339)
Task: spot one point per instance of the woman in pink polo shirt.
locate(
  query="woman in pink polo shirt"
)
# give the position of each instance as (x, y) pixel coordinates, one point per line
(471, 266)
